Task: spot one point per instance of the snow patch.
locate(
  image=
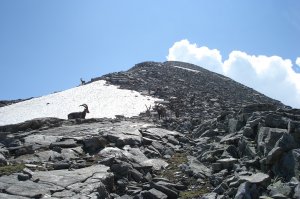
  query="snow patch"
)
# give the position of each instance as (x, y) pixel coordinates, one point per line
(196, 71)
(103, 101)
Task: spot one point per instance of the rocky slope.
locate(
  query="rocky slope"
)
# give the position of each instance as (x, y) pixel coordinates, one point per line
(219, 139)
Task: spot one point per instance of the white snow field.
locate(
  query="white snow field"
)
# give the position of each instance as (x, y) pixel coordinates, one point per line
(103, 101)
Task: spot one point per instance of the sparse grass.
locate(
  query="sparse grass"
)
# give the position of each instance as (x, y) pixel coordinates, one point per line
(174, 162)
(10, 169)
(171, 173)
(193, 193)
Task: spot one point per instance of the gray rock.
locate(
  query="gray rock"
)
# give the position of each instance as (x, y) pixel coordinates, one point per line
(297, 191)
(233, 125)
(23, 177)
(210, 133)
(267, 138)
(172, 140)
(69, 154)
(3, 160)
(286, 142)
(221, 189)
(94, 144)
(197, 167)
(227, 163)
(65, 178)
(276, 121)
(162, 132)
(21, 150)
(31, 189)
(257, 178)
(61, 165)
(232, 138)
(232, 151)
(216, 167)
(43, 156)
(245, 149)
(274, 155)
(68, 143)
(136, 175)
(280, 188)
(28, 172)
(158, 146)
(121, 169)
(248, 132)
(294, 130)
(169, 192)
(64, 194)
(169, 184)
(210, 196)
(157, 164)
(8, 196)
(247, 190)
(288, 166)
(41, 141)
(153, 194)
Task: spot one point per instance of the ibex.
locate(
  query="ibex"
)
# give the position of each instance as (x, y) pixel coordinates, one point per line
(161, 111)
(81, 115)
(148, 111)
(82, 81)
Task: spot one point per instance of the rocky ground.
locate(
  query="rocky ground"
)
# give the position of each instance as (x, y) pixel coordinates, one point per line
(219, 139)
(9, 102)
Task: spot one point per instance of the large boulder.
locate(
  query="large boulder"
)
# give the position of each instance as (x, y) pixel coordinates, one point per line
(288, 166)
(247, 190)
(267, 138)
(294, 130)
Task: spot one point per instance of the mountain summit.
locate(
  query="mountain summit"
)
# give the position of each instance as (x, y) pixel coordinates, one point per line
(158, 130)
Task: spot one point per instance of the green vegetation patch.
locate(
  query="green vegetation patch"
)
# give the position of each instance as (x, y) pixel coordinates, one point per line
(10, 169)
(173, 168)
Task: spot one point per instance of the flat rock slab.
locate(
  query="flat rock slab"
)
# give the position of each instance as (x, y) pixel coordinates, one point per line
(42, 140)
(133, 154)
(31, 189)
(66, 178)
(197, 167)
(162, 132)
(7, 196)
(157, 164)
(256, 178)
(58, 182)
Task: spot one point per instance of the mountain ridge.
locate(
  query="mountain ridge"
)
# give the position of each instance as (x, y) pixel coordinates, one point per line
(218, 140)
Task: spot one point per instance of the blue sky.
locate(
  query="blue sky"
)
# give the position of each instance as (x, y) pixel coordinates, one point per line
(46, 46)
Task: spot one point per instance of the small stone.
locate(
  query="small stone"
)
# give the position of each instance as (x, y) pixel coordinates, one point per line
(28, 172)
(3, 160)
(23, 177)
(153, 194)
(216, 167)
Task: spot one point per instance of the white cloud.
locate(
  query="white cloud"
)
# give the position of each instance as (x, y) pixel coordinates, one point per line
(272, 76)
(298, 61)
(203, 56)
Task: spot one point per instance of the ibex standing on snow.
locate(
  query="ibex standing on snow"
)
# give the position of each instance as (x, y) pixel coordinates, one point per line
(79, 115)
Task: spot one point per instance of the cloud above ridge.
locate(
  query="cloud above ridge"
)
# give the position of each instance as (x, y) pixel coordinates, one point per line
(298, 61)
(270, 75)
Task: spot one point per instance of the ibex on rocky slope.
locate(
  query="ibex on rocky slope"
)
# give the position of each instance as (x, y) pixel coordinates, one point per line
(161, 111)
(79, 115)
